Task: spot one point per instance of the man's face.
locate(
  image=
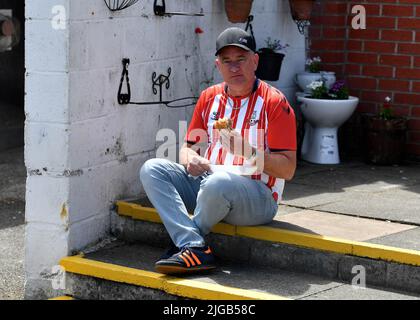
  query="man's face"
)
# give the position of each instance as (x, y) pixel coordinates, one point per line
(237, 66)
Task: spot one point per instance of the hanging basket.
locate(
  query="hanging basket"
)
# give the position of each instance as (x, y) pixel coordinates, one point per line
(117, 5)
(237, 11)
(301, 9)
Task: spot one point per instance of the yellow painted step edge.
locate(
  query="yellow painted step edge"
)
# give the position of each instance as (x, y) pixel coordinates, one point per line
(331, 244)
(62, 298)
(181, 287)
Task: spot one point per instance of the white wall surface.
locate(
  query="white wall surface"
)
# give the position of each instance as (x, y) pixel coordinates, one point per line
(82, 149)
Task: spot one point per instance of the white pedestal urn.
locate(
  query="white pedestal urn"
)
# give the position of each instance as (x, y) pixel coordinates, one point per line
(324, 117)
(304, 79)
(329, 78)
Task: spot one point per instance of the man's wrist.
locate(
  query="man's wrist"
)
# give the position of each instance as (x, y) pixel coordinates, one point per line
(253, 154)
(252, 158)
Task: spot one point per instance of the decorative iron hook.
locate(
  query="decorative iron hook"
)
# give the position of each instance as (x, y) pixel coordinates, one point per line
(124, 98)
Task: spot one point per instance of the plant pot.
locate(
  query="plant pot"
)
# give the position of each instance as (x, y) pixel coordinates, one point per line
(304, 79)
(269, 65)
(329, 78)
(301, 9)
(385, 140)
(238, 11)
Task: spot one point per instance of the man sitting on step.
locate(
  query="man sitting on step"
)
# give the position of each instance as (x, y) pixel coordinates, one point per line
(262, 136)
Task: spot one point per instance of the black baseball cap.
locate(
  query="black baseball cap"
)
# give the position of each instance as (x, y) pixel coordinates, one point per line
(235, 37)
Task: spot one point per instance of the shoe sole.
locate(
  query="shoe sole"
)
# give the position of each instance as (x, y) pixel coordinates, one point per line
(166, 269)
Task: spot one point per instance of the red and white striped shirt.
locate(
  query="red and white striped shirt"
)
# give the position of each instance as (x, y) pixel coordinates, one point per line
(265, 119)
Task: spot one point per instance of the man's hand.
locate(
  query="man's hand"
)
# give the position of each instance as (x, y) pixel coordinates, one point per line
(197, 166)
(234, 143)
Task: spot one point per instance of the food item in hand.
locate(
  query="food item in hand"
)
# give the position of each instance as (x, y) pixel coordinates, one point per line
(224, 123)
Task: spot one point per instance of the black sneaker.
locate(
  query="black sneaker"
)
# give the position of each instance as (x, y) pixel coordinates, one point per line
(170, 252)
(187, 260)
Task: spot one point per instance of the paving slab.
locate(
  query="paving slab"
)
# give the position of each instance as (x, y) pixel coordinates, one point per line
(360, 178)
(305, 168)
(359, 293)
(409, 239)
(284, 283)
(305, 196)
(339, 226)
(395, 205)
(357, 189)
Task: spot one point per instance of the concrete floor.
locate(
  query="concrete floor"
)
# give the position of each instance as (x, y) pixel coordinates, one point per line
(12, 223)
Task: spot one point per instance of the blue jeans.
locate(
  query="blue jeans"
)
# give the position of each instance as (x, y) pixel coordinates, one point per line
(211, 198)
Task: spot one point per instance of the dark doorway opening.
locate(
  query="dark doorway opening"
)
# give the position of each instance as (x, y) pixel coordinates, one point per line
(12, 79)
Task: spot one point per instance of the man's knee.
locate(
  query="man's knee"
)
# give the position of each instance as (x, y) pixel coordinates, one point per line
(151, 166)
(217, 184)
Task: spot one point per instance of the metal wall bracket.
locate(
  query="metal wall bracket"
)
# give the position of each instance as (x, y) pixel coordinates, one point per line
(160, 81)
(157, 82)
(160, 10)
(251, 30)
(302, 24)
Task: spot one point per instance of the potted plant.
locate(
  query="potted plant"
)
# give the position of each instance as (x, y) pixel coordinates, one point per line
(237, 11)
(271, 58)
(386, 134)
(301, 9)
(312, 73)
(324, 110)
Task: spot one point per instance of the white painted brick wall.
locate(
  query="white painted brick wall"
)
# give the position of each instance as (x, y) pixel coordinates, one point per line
(48, 93)
(83, 150)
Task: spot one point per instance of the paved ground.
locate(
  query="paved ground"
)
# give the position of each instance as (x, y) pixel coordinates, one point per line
(12, 219)
(351, 200)
(357, 201)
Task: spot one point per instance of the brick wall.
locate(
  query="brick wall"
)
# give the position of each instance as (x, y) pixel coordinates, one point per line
(381, 60)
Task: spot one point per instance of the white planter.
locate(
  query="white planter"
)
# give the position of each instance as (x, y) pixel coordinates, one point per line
(324, 117)
(329, 78)
(306, 78)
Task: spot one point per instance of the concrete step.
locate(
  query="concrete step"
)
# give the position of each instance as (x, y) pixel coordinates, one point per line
(126, 271)
(286, 249)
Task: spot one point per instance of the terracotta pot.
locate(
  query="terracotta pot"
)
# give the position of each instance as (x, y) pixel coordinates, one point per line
(301, 9)
(238, 11)
(385, 140)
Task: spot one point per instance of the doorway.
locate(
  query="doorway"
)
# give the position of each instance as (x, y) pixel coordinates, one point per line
(12, 74)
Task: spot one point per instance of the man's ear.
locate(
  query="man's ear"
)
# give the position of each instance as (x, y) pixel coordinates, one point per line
(256, 60)
(217, 63)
